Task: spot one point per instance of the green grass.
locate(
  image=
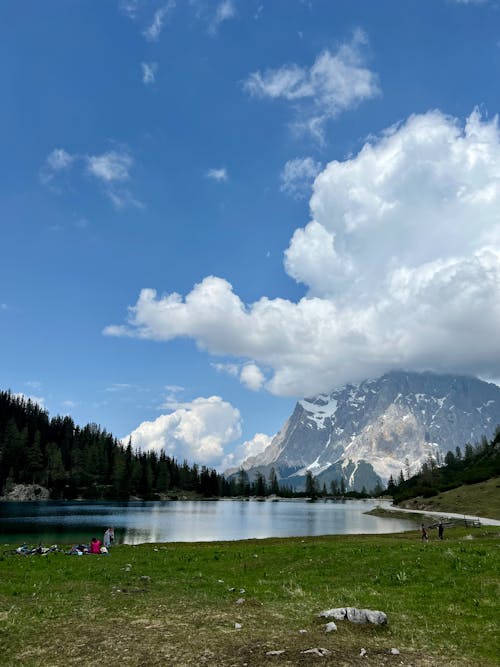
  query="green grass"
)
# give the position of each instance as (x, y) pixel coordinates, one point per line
(441, 599)
(481, 499)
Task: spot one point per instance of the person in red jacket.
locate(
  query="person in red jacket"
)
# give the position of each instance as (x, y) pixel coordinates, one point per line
(95, 546)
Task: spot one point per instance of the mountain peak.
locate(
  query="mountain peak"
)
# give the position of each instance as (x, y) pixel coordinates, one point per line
(366, 432)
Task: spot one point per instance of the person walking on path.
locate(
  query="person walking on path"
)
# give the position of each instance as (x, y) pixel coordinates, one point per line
(425, 537)
(440, 530)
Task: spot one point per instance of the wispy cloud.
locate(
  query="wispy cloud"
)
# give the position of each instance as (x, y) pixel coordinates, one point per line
(220, 175)
(298, 175)
(230, 369)
(153, 31)
(57, 161)
(149, 71)
(111, 169)
(224, 11)
(333, 84)
(130, 7)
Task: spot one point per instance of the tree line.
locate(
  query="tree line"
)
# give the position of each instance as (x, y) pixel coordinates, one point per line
(477, 463)
(88, 462)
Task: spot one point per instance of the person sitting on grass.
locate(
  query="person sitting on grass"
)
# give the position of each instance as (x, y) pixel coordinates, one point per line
(95, 546)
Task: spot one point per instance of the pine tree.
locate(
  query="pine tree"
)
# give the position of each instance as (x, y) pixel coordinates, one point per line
(260, 485)
(311, 490)
(274, 486)
(34, 461)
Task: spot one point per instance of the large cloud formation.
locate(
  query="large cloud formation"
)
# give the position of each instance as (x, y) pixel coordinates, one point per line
(197, 430)
(401, 261)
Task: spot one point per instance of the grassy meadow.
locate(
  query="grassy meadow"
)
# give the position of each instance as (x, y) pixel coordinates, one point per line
(177, 604)
(481, 499)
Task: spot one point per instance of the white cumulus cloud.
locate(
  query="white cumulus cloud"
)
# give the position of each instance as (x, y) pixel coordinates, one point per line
(400, 260)
(197, 430)
(334, 83)
(252, 377)
(249, 448)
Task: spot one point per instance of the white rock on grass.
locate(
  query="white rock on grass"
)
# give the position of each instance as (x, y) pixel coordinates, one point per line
(363, 652)
(240, 601)
(237, 626)
(320, 652)
(278, 652)
(394, 651)
(330, 627)
(339, 614)
(375, 617)
(355, 615)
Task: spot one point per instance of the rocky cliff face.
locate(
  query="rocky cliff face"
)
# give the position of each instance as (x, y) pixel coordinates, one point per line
(365, 433)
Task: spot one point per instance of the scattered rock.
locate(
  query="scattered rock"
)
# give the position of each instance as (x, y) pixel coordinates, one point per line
(355, 615)
(240, 601)
(127, 567)
(242, 590)
(279, 652)
(302, 632)
(394, 651)
(145, 579)
(375, 617)
(220, 581)
(232, 589)
(320, 652)
(330, 627)
(363, 652)
(237, 626)
(468, 537)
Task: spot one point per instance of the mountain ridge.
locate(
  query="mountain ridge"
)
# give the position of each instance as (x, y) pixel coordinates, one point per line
(364, 433)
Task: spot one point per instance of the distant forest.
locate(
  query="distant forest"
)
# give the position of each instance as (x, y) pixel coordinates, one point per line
(75, 462)
(88, 462)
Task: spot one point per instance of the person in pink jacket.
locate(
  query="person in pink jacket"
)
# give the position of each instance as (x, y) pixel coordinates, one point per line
(95, 546)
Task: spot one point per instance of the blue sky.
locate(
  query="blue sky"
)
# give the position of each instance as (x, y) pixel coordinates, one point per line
(210, 209)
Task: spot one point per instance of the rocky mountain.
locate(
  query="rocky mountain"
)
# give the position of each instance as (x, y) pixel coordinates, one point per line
(364, 433)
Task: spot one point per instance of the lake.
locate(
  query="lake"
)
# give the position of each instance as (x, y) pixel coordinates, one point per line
(187, 521)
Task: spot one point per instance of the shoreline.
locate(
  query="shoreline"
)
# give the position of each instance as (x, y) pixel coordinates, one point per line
(393, 509)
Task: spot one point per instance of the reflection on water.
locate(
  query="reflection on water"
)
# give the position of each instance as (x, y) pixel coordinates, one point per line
(188, 521)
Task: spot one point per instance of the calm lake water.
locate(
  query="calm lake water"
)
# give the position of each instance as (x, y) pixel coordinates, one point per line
(187, 521)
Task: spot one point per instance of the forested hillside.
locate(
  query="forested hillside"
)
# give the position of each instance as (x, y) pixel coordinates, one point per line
(475, 464)
(73, 461)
